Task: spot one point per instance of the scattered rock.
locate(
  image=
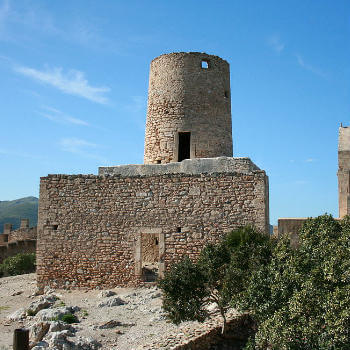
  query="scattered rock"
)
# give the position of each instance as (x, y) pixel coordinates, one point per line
(17, 293)
(48, 290)
(157, 318)
(41, 346)
(38, 331)
(38, 291)
(43, 303)
(83, 343)
(53, 314)
(17, 315)
(58, 326)
(116, 301)
(59, 340)
(110, 324)
(155, 295)
(106, 294)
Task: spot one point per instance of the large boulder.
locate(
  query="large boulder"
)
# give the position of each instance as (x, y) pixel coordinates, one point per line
(53, 314)
(17, 315)
(58, 326)
(116, 301)
(43, 302)
(106, 294)
(38, 331)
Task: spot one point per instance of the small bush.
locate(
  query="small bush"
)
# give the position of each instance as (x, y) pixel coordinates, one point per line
(18, 264)
(69, 318)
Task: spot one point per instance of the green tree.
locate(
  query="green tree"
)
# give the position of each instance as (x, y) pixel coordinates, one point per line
(221, 273)
(301, 300)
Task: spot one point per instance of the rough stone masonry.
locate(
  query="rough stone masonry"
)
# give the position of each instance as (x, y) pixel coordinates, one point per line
(105, 230)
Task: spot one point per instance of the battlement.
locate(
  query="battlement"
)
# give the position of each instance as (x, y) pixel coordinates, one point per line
(24, 232)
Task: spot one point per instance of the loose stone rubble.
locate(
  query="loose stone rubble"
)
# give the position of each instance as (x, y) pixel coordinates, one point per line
(138, 323)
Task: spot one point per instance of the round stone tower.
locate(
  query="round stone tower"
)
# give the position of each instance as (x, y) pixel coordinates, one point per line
(189, 108)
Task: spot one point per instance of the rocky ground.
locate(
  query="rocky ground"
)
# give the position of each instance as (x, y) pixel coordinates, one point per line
(119, 319)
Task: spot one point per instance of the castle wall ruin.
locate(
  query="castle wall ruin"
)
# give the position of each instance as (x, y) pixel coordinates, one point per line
(90, 227)
(22, 240)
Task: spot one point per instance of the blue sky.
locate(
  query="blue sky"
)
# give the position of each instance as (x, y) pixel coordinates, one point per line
(74, 78)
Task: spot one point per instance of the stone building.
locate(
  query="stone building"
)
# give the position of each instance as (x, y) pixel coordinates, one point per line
(128, 224)
(22, 240)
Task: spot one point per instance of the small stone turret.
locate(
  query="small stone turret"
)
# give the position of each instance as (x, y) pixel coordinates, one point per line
(344, 171)
(24, 223)
(189, 108)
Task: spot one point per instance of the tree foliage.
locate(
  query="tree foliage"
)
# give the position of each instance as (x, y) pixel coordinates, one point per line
(301, 300)
(221, 273)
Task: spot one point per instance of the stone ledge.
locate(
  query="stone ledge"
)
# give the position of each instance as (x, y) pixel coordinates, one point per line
(188, 166)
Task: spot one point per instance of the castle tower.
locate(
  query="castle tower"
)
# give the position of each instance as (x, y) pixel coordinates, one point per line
(344, 171)
(189, 108)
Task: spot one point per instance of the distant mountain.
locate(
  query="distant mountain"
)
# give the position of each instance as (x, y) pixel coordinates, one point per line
(13, 211)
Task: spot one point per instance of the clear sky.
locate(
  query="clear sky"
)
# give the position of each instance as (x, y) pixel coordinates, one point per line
(74, 78)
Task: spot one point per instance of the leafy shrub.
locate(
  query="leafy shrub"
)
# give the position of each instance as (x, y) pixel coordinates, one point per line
(18, 264)
(301, 300)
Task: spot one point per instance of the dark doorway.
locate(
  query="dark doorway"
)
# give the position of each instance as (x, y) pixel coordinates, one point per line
(184, 146)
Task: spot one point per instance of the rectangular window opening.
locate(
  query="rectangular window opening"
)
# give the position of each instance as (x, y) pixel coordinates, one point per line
(227, 94)
(178, 229)
(205, 64)
(184, 148)
(55, 227)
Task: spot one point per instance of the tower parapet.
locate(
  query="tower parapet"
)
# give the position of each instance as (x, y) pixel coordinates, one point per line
(189, 108)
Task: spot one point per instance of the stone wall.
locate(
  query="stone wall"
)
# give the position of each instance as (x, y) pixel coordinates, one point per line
(207, 335)
(22, 234)
(184, 96)
(90, 227)
(16, 247)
